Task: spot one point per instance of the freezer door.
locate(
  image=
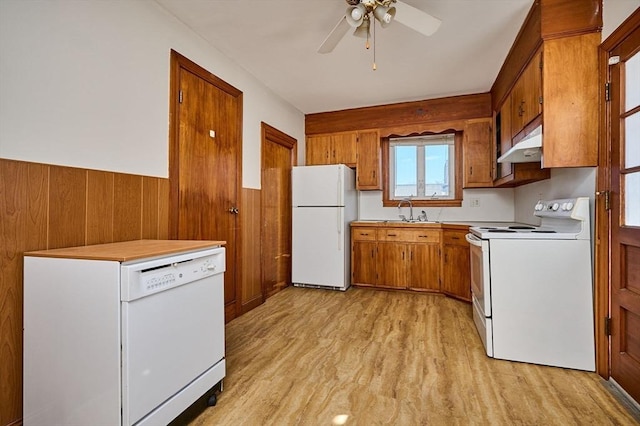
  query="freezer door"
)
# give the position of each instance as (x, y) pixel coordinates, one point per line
(320, 247)
(318, 185)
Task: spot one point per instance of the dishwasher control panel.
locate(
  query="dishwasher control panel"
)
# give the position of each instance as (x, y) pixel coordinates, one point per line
(143, 279)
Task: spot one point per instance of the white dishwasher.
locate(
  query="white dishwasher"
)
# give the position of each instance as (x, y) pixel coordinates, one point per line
(122, 334)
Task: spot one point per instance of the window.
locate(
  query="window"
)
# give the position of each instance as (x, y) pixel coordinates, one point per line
(423, 168)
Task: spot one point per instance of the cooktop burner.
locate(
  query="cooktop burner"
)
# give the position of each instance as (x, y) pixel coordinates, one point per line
(544, 232)
(521, 227)
(501, 230)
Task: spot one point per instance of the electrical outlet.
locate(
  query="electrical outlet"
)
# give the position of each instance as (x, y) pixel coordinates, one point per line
(475, 202)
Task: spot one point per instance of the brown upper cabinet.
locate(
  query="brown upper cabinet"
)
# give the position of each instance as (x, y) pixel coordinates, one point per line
(550, 77)
(526, 96)
(369, 161)
(477, 153)
(331, 148)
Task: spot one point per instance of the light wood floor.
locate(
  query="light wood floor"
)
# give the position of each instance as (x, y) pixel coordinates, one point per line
(306, 356)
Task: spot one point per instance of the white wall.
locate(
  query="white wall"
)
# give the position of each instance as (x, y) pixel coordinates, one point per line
(85, 84)
(494, 205)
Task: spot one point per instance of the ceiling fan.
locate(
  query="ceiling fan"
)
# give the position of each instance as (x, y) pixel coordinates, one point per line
(360, 13)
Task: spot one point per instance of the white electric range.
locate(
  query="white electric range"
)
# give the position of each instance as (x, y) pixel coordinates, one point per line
(532, 287)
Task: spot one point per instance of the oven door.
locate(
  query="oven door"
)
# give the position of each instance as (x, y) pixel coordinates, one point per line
(480, 276)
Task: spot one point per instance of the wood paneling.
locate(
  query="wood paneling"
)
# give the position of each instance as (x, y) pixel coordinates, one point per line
(99, 207)
(23, 226)
(67, 206)
(127, 210)
(150, 208)
(399, 115)
(561, 18)
(46, 207)
(251, 288)
(163, 209)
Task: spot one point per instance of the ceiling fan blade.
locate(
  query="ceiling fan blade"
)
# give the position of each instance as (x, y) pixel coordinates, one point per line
(335, 36)
(416, 19)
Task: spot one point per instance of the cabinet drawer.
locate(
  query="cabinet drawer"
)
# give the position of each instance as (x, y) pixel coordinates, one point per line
(455, 238)
(363, 234)
(395, 234)
(426, 236)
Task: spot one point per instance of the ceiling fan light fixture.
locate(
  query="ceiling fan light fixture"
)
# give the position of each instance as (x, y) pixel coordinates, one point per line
(384, 15)
(355, 15)
(363, 30)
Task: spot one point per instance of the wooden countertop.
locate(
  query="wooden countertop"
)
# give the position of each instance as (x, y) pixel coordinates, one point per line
(127, 250)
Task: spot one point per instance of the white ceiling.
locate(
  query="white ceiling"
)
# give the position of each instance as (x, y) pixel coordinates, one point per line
(276, 41)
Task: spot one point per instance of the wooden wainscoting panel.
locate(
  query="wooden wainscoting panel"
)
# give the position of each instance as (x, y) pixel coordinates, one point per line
(127, 211)
(149, 208)
(99, 207)
(163, 209)
(67, 207)
(251, 293)
(23, 227)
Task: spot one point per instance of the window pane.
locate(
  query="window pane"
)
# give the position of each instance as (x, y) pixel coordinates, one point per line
(632, 199)
(632, 141)
(436, 169)
(632, 83)
(406, 171)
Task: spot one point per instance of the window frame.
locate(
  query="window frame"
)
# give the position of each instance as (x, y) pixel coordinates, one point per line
(456, 201)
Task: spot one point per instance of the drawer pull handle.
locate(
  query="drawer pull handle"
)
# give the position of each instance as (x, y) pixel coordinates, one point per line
(423, 236)
(363, 233)
(392, 235)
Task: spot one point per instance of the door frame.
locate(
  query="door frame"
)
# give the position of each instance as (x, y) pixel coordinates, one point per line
(602, 214)
(270, 133)
(177, 63)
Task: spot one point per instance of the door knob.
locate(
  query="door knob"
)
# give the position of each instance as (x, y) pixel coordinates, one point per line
(233, 210)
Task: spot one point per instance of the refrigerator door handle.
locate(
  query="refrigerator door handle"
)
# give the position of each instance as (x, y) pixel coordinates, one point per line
(339, 216)
(339, 189)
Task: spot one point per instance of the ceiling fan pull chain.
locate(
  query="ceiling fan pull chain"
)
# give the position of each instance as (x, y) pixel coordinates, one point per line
(374, 45)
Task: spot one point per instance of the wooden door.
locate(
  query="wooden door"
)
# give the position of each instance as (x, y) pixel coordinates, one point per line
(625, 213)
(278, 157)
(205, 164)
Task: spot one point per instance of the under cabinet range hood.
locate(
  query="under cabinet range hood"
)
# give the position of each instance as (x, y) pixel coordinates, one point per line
(528, 150)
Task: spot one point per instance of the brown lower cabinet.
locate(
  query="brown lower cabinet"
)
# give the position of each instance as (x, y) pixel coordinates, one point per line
(396, 257)
(456, 280)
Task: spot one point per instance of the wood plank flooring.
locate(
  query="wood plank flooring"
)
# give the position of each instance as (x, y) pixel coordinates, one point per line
(306, 356)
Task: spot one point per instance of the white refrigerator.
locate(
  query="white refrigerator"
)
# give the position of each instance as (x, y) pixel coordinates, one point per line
(324, 203)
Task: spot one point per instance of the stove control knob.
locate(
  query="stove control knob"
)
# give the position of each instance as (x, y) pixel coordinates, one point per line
(555, 207)
(568, 206)
(539, 207)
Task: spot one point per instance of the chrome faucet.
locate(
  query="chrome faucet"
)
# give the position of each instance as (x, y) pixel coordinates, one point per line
(407, 200)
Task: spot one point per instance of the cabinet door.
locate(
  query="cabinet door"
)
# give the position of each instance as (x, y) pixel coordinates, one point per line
(318, 150)
(526, 95)
(456, 275)
(504, 142)
(368, 161)
(363, 263)
(391, 265)
(344, 148)
(477, 153)
(424, 267)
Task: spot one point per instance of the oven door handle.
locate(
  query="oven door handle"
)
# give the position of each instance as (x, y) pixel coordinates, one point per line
(473, 240)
